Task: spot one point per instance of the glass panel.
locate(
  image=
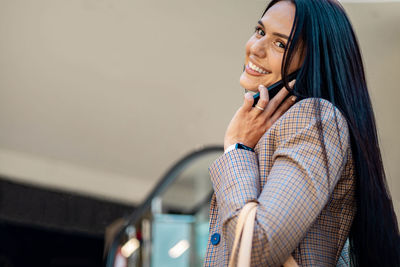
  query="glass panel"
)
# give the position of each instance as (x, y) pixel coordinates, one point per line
(183, 239)
(171, 240)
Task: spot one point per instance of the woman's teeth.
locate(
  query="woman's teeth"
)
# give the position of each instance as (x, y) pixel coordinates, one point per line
(255, 68)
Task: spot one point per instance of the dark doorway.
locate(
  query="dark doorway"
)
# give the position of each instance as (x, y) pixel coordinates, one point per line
(43, 227)
(23, 246)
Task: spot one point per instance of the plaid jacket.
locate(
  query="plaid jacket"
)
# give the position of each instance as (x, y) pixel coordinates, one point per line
(302, 176)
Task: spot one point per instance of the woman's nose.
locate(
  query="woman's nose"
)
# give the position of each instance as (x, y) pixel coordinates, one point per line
(258, 49)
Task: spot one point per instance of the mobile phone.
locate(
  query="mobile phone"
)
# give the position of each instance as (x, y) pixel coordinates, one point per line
(275, 88)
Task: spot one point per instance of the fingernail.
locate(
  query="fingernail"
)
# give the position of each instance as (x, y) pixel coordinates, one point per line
(261, 86)
(294, 98)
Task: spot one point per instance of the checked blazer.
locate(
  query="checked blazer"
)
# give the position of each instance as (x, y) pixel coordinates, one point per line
(302, 176)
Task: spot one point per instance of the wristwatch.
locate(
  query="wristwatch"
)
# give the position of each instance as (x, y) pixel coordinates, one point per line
(239, 146)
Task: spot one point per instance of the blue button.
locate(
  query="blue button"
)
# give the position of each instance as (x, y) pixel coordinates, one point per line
(215, 238)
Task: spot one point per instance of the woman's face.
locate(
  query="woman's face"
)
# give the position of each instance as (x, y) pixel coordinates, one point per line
(264, 50)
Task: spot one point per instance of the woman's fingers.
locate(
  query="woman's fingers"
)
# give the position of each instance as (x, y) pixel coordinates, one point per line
(282, 109)
(277, 100)
(247, 125)
(264, 105)
(248, 102)
(263, 101)
(264, 98)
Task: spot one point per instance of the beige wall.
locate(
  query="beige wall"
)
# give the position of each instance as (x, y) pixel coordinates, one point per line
(100, 97)
(379, 36)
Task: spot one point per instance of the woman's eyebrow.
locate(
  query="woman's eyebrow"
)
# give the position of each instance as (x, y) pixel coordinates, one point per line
(275, 33)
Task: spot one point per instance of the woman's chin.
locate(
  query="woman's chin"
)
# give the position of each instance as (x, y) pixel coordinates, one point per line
(250, 86)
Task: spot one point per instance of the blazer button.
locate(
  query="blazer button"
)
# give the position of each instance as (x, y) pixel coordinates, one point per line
(215, 238)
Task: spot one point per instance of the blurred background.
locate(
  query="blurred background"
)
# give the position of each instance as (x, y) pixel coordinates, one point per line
(99, 98)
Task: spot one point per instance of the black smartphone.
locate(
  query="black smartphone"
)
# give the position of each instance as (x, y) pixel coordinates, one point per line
(275, 88)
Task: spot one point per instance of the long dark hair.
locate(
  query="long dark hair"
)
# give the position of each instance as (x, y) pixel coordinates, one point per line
(333, 70)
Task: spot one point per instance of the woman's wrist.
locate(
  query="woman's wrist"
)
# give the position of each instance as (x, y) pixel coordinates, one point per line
(238, 146)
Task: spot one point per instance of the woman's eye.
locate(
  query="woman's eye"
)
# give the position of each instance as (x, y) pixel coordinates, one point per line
(280, 44)
(259, 31)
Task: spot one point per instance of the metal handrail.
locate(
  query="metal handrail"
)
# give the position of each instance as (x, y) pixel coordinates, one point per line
(164, 182)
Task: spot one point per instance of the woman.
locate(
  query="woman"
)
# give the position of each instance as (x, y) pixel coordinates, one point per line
(315, 171)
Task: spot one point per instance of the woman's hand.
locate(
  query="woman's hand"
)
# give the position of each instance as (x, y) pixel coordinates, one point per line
(250, 123)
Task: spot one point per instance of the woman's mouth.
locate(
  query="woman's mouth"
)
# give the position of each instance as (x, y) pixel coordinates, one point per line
(254, 70)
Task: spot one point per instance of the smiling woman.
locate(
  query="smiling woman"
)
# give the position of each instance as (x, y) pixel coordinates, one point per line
(314, 167)
(265, 49)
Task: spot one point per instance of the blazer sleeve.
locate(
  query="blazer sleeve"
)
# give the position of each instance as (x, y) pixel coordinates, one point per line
(310, 143)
